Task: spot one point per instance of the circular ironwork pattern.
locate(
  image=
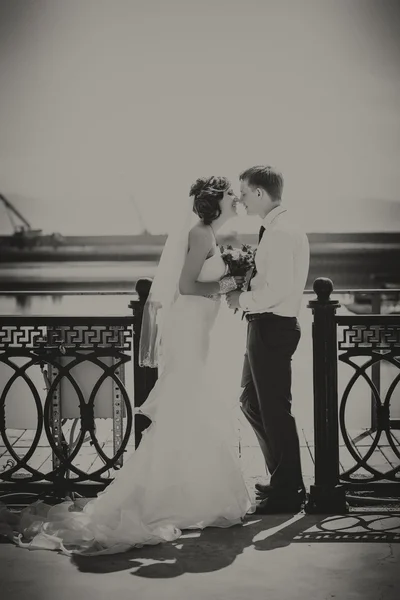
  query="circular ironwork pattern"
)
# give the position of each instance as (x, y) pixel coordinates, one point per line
(383, 420)
(87, 422)
(87, 416)
(20, 462)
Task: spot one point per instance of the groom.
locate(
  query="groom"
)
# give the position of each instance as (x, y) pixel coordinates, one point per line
(271, 305)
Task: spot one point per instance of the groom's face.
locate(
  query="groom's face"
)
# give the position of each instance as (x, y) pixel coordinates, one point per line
(250, 198)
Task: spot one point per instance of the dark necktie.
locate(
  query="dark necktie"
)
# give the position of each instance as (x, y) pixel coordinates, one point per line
(254, 271)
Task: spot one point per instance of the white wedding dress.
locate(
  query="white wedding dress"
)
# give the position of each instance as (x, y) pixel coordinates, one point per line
(185, 473)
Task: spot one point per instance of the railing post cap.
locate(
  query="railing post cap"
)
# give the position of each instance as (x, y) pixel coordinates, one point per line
(323, 287)
(142, 288)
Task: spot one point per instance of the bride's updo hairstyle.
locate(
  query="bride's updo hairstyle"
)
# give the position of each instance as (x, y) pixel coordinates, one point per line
(207, 194)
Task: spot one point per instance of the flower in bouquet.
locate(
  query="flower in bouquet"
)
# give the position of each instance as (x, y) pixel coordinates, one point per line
(239, 260)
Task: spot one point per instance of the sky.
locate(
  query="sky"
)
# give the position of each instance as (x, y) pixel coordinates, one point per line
(111, 104)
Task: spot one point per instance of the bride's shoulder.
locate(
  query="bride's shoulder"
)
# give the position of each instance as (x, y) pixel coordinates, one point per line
(200, 232)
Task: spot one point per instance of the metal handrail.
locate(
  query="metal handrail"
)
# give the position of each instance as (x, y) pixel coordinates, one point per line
(68, 293)
(134, 293)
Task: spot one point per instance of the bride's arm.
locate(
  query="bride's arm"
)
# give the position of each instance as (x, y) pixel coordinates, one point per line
(200, 244)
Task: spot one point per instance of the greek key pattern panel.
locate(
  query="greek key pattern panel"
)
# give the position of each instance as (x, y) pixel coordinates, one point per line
(378, 338)
(75, 337)
(21, 336)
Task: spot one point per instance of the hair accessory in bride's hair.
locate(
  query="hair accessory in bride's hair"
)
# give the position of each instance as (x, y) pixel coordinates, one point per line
(204, 187)
(211, 189)
(207, 187)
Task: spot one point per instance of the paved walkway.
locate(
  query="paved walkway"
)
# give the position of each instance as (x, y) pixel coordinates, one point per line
(288, 557)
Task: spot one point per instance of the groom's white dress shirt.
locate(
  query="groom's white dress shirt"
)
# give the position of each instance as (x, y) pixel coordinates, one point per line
(282, 263)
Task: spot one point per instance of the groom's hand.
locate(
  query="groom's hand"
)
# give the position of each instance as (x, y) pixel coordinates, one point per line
(233, 299)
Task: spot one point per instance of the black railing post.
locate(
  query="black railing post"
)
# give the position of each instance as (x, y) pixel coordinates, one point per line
(376, 309)
(327, 495)
(144, 378)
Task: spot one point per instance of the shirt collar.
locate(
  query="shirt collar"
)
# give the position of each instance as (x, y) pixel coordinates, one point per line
(271, 216)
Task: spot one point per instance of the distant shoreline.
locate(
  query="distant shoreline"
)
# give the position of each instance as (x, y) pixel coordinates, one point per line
(147, 247)
(358, 260)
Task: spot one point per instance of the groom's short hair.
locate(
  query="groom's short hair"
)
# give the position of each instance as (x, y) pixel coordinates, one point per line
(265, 177)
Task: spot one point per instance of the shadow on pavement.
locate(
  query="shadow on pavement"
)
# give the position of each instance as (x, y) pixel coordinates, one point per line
(213, 549)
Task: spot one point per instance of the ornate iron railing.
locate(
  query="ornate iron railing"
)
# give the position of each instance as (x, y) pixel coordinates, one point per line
(361, 343)
(81, 363)
(375, 338)
(63, 346)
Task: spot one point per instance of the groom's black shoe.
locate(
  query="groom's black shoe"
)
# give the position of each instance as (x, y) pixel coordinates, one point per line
(276, 503)
(265, 490)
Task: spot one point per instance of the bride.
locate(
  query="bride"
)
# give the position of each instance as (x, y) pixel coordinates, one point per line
(185, 473)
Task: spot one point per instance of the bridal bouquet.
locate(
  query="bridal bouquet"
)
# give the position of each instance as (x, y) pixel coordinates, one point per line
(239, 260)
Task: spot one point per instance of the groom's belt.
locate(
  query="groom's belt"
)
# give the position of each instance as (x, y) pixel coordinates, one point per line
(265, 315)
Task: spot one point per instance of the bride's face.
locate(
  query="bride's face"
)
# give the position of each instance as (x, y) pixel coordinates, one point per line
(229, 204)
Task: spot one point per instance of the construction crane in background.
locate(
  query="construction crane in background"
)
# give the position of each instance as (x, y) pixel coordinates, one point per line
(141, 220)
(11, 210)
(24, 236)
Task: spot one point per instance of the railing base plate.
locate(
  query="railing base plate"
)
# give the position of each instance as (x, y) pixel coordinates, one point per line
(327, 500)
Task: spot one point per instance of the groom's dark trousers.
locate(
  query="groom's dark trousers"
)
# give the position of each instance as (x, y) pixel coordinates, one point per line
(266, 399)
